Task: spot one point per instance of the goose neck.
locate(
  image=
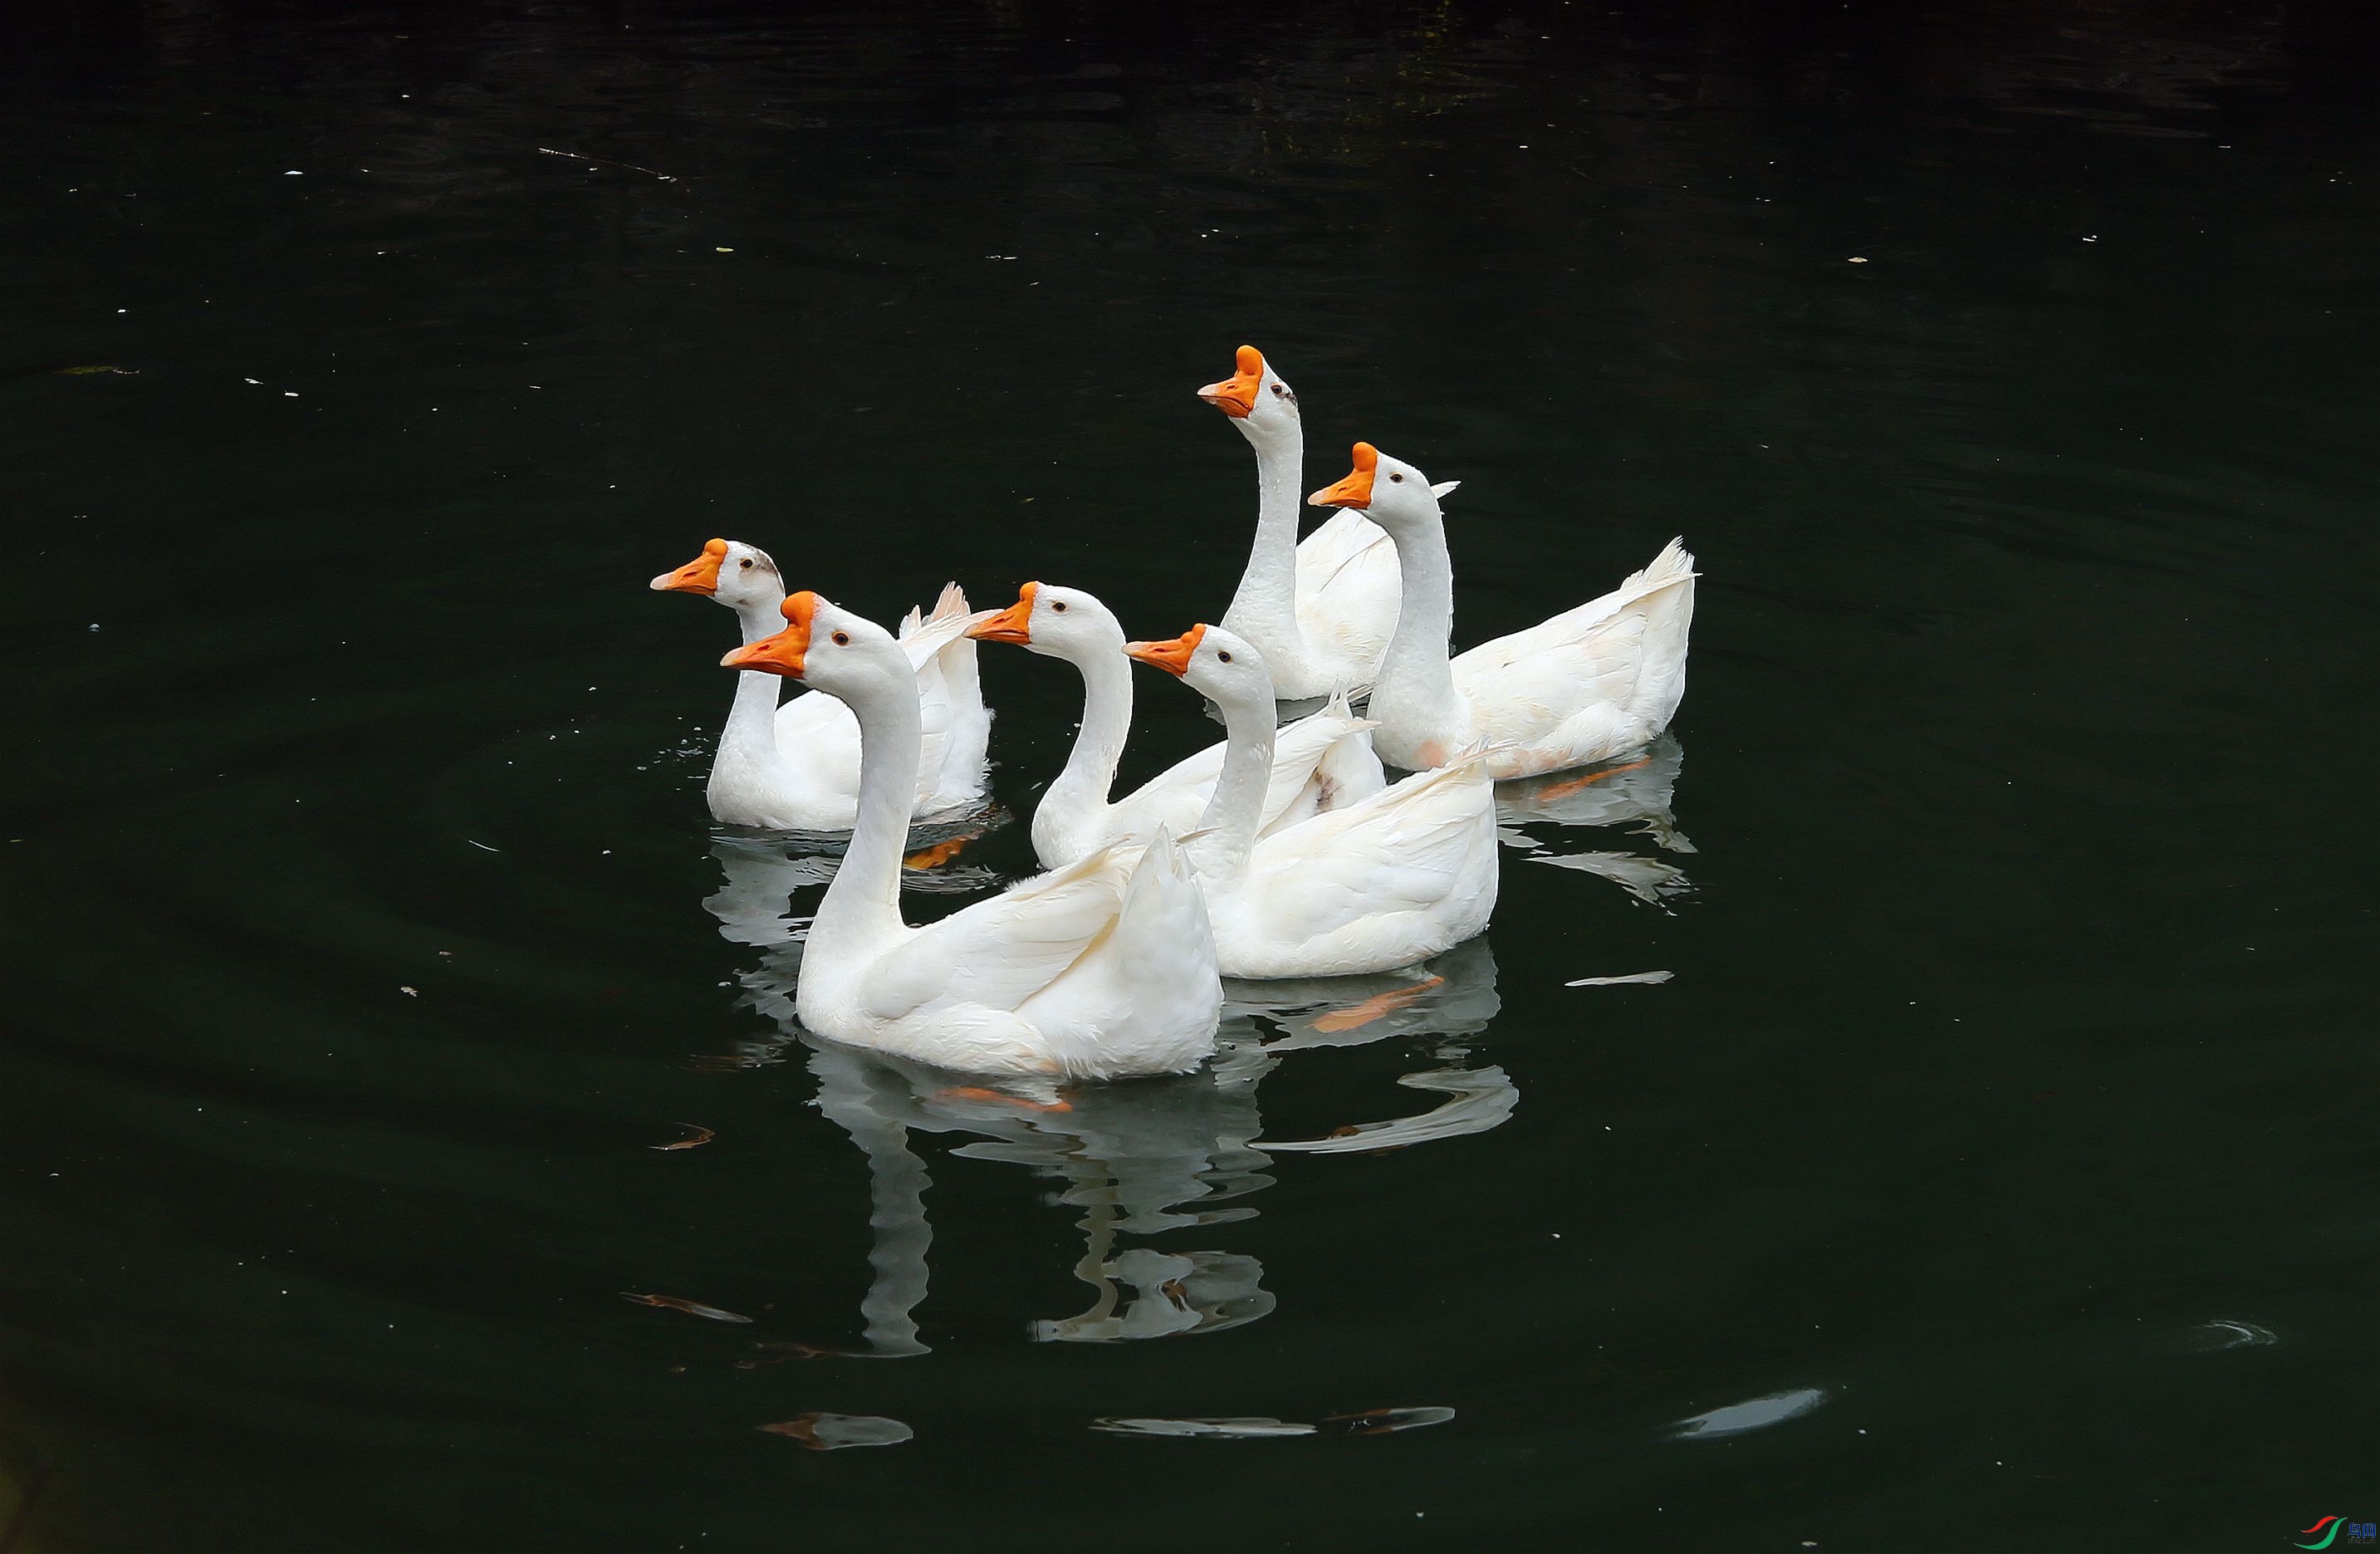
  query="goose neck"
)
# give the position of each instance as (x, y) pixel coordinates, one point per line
(1237, 806)
(1415, 676)
(748, 753)
(1264, 609)
(760, 616)
(1077, 798)
(861, 908)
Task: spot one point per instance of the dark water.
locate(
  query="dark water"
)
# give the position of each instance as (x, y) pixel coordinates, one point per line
(1996, 1171)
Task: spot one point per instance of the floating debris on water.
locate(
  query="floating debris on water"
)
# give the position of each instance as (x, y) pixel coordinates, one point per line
(831, 1432)
(780, 1352)
(606, 162)
(1758, 1414)
(692, 1308)
(1388, 1421)
(2213, 1338)
(1210, 1429)
(1368, 1422)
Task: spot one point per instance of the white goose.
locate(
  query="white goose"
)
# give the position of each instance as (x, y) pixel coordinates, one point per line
(1319, 610)
(1319, 762)
(795, 767)
(1099, 970)
(1383, 882)
(1590, 684)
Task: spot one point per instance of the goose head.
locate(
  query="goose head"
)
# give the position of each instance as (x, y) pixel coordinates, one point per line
(1259, 404)
(1389, 491)
(734, 574)
(1061, 622)
(1212, 661)
(829, 648)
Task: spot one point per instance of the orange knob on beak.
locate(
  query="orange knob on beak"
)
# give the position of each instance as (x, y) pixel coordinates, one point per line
(780, 654)
(1356, 491)
(1171, 657)
(1235, 397)
(1012, 624)
(699, 575)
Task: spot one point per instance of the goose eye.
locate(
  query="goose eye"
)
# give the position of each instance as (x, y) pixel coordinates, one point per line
(1059, 605)
(842, 639)
(1223, 657)
(1278, 391)
(1398, 480)
(746, 563)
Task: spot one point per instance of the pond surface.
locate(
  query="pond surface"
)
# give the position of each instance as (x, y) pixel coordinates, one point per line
(1996, 1168)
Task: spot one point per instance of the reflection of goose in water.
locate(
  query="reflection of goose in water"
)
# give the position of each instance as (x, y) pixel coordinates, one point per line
(1448, 995)
(1136, 1159)
(1636, 791)
(1480, 1099)
(1140, 1159)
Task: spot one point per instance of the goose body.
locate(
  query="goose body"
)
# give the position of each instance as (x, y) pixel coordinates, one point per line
(1590, 684)
(1389, 879)
(1320, 610)
(1319, 762)
(795, 766)
(1099, 970)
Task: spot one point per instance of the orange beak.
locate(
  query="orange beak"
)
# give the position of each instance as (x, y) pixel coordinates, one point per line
(1171, 657)
(699, 575)
(1356, 491)
(1012, 624)
(780, 654)
(1235, 397)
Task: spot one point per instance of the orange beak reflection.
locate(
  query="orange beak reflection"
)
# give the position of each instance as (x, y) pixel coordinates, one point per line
(1356, 491)
(1012, 624)
(1171, 657)
(1236, 395)
(780, 654)
(699, 575)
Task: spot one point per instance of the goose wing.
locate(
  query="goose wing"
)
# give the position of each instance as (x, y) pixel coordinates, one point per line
(1623, 653)
(1000, 953)
(1348, 586)
(1409, 848)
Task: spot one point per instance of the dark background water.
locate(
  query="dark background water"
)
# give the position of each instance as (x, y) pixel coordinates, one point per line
(2011, 1109)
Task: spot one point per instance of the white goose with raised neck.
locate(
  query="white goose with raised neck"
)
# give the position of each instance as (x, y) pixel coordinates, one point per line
(753, 780)
(1422, 711)
(1264, 608)
(1317, 614)
(1073, 817)
(1594, 682)
(859, 916)
(1236, 811)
